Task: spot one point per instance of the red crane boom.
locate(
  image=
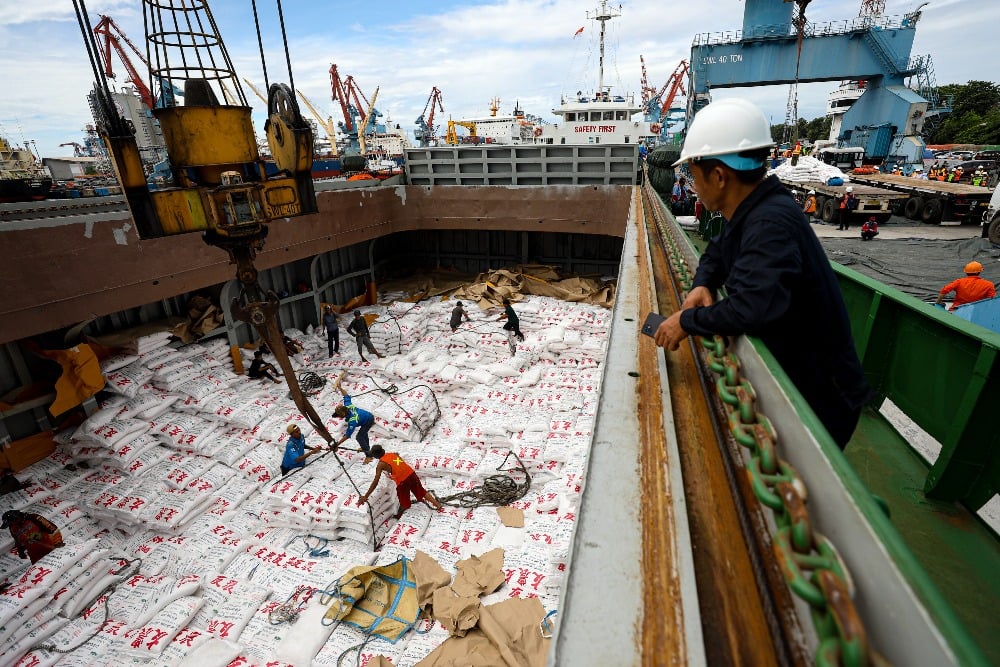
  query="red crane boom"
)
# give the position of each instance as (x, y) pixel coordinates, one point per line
(433, 101)
(107, 29)
(676, 85)
(347, 93)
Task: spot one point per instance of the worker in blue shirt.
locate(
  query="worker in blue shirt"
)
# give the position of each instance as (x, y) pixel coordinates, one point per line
(295, 450)
(357, 419)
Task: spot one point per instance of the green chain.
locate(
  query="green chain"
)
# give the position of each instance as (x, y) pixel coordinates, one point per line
(811, 565)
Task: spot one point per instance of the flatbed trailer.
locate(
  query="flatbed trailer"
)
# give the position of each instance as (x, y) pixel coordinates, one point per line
(933, 201)
(871, 200)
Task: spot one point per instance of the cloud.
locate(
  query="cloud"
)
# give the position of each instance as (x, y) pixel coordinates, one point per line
(518, 50)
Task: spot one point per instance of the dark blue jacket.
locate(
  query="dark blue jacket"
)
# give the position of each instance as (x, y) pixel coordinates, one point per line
(780, 287)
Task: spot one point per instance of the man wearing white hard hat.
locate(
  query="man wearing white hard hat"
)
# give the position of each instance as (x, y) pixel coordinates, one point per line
(778, 281)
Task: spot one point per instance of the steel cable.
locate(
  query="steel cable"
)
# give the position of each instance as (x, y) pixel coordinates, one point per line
(496, 490)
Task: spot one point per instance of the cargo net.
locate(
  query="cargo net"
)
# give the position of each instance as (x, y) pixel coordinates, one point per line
(406, 413)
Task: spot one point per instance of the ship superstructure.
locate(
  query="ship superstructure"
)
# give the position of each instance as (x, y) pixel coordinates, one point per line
(22, 177)
(601, 116)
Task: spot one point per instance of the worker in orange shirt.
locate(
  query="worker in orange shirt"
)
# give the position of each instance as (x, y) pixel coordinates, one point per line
(970, 288)
(405, 478)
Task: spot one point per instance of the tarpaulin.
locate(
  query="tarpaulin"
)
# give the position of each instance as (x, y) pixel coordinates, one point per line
(379, 600)
(509, 634)
(81, 376)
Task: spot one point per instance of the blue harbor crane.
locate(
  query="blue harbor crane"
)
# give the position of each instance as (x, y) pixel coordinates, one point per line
(887, 120)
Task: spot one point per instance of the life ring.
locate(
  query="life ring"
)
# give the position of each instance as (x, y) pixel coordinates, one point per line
(654, 128)
(538, 131)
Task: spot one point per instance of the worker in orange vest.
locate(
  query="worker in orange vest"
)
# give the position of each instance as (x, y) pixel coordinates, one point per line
(809, 206)
(405, 478)
(970, 288)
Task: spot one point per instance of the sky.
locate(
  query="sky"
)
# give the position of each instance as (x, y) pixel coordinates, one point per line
(516, 50)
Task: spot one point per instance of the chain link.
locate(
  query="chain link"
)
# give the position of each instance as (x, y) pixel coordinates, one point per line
(810, 563)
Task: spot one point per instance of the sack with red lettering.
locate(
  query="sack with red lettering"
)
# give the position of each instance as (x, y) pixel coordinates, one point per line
(139, 598)
(261, 464)
(35, 631)
(108, 433)
(127, 450)
(147, 459)
(231, 447)
(229, 606)
(151, 637)
(184, 469)
(211, 652)
(148, 404)
(249, 413)
(173, 508)
(98, 577)
(184, 431)
(38, 579)
(128, 380)
(200, 387)
(39, 658)
(231, 497)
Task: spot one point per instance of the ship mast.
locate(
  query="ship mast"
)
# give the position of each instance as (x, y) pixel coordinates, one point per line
(602, 14)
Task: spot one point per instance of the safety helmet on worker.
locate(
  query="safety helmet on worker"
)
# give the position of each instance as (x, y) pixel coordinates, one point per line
(723, 130)
(850, 188)
(812, 192)
(292, 428)
(973, 267)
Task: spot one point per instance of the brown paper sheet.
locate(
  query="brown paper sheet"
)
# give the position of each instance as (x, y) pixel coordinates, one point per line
(479, 575)
(511, 517)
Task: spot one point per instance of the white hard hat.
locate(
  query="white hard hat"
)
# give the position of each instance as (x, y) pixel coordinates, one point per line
(812, 192)
(724, 128)
(850, 188)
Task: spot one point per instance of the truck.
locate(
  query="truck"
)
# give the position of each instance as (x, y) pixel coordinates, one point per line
(872, 201)
(932, 201)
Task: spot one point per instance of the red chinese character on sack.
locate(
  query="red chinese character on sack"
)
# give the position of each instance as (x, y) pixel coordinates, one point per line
(40, 574)
(124, 450)
(166, 514)
(239, 661)
(269, 607)
(157, 636)
(187, 637)
(220, 628)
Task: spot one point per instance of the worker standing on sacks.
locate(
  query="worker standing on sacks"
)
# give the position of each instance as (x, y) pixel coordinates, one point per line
(357, 419)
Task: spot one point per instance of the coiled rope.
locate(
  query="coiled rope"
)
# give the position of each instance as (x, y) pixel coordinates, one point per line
(496, 490)
(311, 383)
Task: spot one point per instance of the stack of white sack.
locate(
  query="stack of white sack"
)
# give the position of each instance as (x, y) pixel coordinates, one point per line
(219, 440)
(808, 169)
(328, 508)
(148, 343)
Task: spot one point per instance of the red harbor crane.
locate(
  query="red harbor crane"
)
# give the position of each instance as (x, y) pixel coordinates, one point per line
(676, 85)
(348, 94)
(113, 36)
(426, 132)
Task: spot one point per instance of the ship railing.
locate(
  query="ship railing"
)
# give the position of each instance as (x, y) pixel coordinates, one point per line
(781, 31)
